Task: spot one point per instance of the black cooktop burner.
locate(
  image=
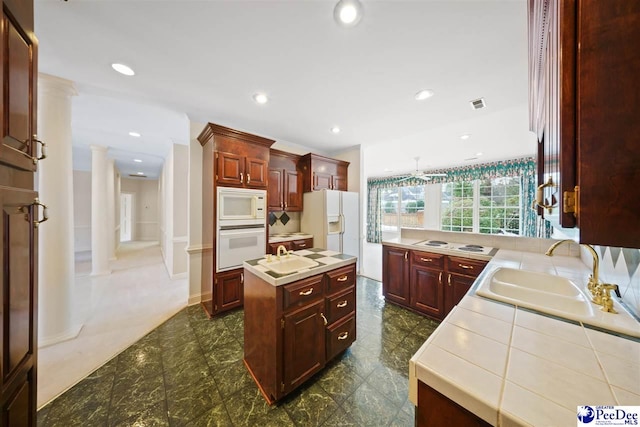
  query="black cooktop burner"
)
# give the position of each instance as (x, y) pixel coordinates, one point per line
(474, 248)
(436, 242)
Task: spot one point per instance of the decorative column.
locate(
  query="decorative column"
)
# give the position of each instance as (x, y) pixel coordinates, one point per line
(55, 187)
(111, 207)
(99, 216)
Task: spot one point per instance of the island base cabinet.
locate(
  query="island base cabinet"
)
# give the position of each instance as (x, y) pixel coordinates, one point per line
(437, 410)
(304, 344)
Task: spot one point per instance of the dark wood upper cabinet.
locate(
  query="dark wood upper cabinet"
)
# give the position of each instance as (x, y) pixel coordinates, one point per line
(285, 182)
(18, 235)
(241, 159)
(323, 173)
(19, 75)
(584, 97)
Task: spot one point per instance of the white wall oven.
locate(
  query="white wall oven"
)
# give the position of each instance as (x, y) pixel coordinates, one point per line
(241, 226)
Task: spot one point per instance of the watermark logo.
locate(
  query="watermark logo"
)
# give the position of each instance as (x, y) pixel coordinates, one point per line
(589, 416)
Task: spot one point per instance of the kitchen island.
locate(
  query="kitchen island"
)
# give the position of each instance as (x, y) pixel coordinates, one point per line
(295, 323)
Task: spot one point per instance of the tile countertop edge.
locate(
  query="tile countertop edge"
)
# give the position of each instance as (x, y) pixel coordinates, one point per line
(290, 238)
(293, 277)
(431, 376)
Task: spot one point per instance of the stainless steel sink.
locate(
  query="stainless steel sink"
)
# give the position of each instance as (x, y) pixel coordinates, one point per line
(554, 295)
(288, 264)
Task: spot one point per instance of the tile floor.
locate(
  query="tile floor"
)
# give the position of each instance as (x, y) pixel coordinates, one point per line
(189, 372)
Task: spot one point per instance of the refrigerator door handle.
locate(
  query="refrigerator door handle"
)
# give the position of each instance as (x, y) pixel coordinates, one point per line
(341, 224)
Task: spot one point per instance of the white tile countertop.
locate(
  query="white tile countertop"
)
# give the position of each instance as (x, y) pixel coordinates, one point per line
(514, 367)
(287, 237)
(449, 249)
(327, 260)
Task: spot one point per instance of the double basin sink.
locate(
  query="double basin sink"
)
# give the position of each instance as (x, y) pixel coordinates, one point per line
(553, 295)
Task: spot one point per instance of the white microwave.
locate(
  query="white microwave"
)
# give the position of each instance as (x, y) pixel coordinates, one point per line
(241, 206)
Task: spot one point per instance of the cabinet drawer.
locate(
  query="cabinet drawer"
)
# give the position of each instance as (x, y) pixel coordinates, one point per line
(300, 292)
(341, 278)
(341, 304)
(466, 266)
(340, 336)
(302, 244)
(428, 259)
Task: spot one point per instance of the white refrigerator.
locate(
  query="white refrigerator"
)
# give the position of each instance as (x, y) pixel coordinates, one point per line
(333, 219)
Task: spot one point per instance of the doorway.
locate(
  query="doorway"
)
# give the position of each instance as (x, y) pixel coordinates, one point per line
(126, 216)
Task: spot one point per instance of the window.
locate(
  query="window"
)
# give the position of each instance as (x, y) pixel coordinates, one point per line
(499, 210)
(456, 209)
(489, 206)
(402, 207)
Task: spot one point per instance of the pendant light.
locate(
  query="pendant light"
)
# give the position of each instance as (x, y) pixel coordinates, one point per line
(348, 13)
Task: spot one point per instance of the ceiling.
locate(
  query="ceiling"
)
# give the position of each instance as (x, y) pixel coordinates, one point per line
(203, 60)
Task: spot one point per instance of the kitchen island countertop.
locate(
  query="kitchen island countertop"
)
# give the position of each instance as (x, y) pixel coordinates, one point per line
(326, 259)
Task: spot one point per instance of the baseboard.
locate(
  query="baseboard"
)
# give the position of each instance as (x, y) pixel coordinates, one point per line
(194, 299)
(64, 336)
(101, 273)
(179, 276)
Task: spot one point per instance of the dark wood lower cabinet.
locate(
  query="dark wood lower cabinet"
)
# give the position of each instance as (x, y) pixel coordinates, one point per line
(304, 344)
(435, 410)
(229, 286)
(427, 283)
(291, 331)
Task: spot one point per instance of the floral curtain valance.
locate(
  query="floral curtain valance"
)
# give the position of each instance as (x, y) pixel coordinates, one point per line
(525, 166)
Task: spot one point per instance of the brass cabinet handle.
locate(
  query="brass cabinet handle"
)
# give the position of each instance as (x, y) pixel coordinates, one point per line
(241, 178)
(285, 205)
(241, 277)
(343, 278)
(45, 215)
(302, 245)
(342, 304)
(343, 335)
(465, 266)
(540, 195)
(440, 278)
(248, 178)
(405, 255)
(307, 292)
(426, 260)
(43, 149)
(449, 280)
(324, 319)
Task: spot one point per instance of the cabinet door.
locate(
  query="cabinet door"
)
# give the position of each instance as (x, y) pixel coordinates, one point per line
(427, 291)
(293, 191)
(228, 290)
(19, 76)
(304, 344)
(321, 180)
(275, 190)
(18, 316)
(256, 172)
(457, 287)
(340, 336)
(395, 272)
(229, 169)
(339, 182)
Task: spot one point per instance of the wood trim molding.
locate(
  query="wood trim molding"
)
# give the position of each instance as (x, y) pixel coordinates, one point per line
(212, 129)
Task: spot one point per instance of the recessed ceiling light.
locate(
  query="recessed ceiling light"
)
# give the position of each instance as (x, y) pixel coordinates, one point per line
(260, 98)
(123, 69)
(140, 173)
(478, 154)
(465, 136)
(424, 94)
(137, 160)
(348, 13)
(335, 129)
(134, 134)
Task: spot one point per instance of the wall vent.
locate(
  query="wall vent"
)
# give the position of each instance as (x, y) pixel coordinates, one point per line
(477, 104)
(133, 175)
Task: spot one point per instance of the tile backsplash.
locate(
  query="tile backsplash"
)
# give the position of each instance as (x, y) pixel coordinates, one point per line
(284, 222)
(620, 266)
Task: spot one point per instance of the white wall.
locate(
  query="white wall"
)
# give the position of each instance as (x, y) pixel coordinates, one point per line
(82, 210)
(145, 224)
(194, 247)
(173, 196)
